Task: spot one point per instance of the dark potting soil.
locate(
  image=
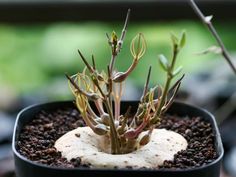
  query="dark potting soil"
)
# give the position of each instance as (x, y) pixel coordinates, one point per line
(36, 141)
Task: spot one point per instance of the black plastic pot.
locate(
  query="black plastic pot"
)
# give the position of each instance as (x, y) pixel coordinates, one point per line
(27, 168)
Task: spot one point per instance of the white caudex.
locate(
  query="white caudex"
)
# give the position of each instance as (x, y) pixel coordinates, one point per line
(94, 150)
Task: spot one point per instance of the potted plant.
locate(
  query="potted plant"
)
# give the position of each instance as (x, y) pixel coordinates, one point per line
(99, 135)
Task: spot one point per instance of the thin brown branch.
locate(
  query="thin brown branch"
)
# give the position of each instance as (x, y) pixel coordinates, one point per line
(120, 42)
(113, 132)
(133, 122)
(146, 84)
(177, 82)
(124, 30)
(85, 62)
(108, 39)
(213, 31)
(94, 64)
(109, 87)
(171, 100)
(76, 86)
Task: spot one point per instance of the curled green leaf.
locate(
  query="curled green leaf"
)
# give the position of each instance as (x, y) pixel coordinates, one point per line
(138, 46)
(82, 103)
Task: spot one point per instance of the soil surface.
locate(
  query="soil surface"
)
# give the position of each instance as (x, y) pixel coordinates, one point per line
(36, 141)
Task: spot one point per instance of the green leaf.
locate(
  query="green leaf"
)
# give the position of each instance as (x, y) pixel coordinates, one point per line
(177, 71)
(174, 39)
(182, 40)
(164, 62)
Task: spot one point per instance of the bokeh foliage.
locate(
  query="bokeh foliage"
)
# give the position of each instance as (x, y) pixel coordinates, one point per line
(31, 56)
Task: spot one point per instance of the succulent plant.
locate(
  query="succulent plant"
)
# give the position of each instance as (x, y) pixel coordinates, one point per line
(105, 89)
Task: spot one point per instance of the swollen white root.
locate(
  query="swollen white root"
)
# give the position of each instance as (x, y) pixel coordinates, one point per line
(94, 150)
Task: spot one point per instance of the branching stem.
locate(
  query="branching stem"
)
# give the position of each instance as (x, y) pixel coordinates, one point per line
(213, 31)
(113, 133)
(167, 85)
(120, 42)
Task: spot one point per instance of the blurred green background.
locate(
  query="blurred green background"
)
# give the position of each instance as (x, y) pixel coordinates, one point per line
(34, 58)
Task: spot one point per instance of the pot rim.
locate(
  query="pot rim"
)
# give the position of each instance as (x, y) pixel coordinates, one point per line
(217, 134)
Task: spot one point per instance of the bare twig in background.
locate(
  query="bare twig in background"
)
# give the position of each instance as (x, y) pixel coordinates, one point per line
(207, 21)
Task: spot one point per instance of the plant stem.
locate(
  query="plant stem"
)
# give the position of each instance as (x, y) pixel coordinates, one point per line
(125, 26)
(115, 148)
(94, 64)
(120, 42)
(113, 133)
(212, 29)
(145, 89)
(99, 107)
(85, 62)
(167, 85)
(113, 57)
(109, 88)
(146, 84)
(117, 98)
(163, 98)
(115, 145)
(91, 112)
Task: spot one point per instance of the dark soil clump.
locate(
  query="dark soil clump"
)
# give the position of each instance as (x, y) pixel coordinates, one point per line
(36, 141)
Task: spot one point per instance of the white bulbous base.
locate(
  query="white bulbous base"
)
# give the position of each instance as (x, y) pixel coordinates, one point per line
(94, 150)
